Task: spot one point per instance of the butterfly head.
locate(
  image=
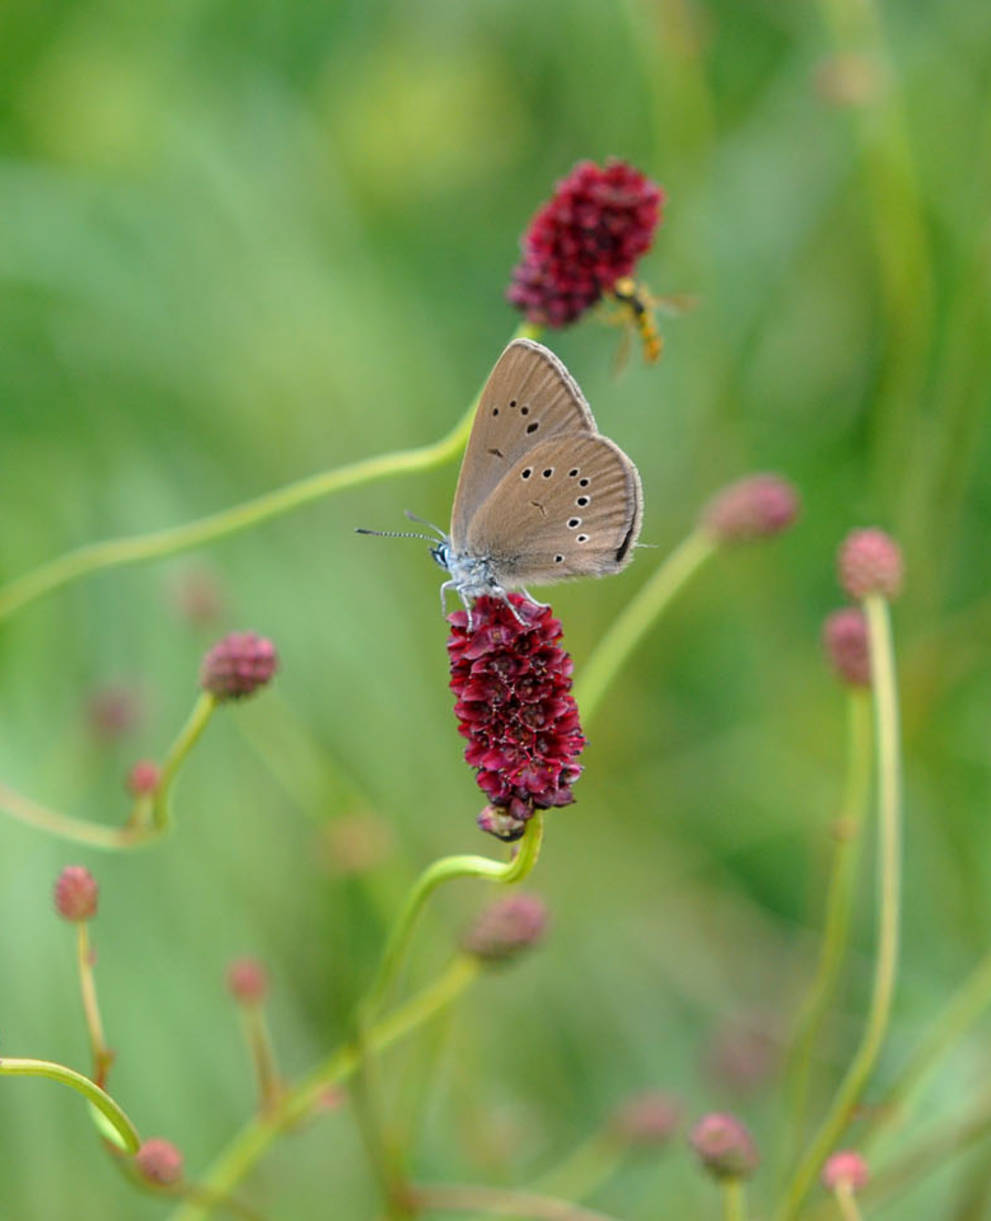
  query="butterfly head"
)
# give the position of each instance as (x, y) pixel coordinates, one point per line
(441, 554)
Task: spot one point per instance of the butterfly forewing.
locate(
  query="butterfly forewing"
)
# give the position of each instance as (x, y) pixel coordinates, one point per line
(569, 507)
(529, 398)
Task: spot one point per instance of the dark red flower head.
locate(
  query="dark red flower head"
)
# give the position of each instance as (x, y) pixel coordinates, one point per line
(591, 232)
(76, 893)
(514, 704)
(238, 665)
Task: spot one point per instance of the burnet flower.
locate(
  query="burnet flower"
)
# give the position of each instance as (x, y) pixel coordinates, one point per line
(590, 233)
(514, 704)
(238, 666)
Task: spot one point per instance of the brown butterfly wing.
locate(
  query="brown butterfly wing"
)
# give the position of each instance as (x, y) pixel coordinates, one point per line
(530, 396)
(570, 507)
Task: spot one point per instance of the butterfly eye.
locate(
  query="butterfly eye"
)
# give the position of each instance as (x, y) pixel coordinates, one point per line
(582, 538)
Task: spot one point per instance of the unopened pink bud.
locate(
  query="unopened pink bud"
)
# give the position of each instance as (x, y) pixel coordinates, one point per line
(76, 894)
(848, 1167)
(725, 1147)
(506, 928)
(758, 506)
(160, 1162)
(143, 778)
(844, 635)
(247, 981)
(870, 562)
(238, 665)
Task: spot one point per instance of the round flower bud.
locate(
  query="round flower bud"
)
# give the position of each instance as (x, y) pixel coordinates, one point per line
(143, 778)
(160, 1162)
(646, 1119)
(870, 562)
(725, 1147)
(844, 635)
(76, 894)
(758, 506)
(247, 981)
(506, 928)
(845, 1167)
(237, 666)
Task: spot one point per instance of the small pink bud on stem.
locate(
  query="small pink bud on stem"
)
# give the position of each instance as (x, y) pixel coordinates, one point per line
(143, 778)
(505, 929)
(238, 666)
(870, 562)
(76, 894)
(757, 506)
(159, 1162)
(844, 635)
(725, 1147)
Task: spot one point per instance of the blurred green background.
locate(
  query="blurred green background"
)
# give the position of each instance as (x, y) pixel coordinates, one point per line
(243, 242)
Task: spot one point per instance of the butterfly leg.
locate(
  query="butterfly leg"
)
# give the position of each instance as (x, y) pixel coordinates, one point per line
(530, 598)
(443, 596)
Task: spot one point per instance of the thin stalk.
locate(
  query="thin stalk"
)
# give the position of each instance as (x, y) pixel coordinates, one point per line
(500, 1202)
(298, 1101)
(151, 817)
(637, 618)
(126, 1132)
(847, 1202)
(734, 1200)
(161, 543)
(262, 1053)
(839, 904)
(889, 899)
(447, 869)
(967, 1004)
(102, 1056)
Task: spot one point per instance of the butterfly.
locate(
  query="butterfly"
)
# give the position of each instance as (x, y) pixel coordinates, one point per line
(542, 495)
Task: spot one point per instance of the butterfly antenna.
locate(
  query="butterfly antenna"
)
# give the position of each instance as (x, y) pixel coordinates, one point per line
(411, 516)
(427, 538)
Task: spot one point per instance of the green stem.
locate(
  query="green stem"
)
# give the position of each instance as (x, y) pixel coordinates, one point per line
(151, 818)
(447, 869)
(160, 543)
(114, 1115)
(500, 1202)
(847, 1202)
(889, 888)
(636, 619)
(734, 1200)
(161, 811)
(585, 1169)
(962, 1011)
(102, 1057)
(839, 903)
(298, 1102)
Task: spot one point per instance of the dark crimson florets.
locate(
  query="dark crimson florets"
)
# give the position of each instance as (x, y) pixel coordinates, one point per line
(238, 665)
(591, 232)
(512, 681)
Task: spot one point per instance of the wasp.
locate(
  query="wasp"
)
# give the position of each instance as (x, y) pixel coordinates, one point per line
(637, 314)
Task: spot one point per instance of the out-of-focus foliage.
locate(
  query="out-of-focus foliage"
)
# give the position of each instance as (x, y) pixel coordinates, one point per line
(243, 242)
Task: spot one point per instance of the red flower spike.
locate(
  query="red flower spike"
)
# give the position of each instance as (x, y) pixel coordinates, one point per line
(591, 232)
(514, 704)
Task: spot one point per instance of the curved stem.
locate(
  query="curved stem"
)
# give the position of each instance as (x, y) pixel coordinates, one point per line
(889, 897)
(151, 818)
(636, 619)
(114, 1114)
(839, 902)
(447, 869)
(161, 543)
(847, 1202)
(299, 1100)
